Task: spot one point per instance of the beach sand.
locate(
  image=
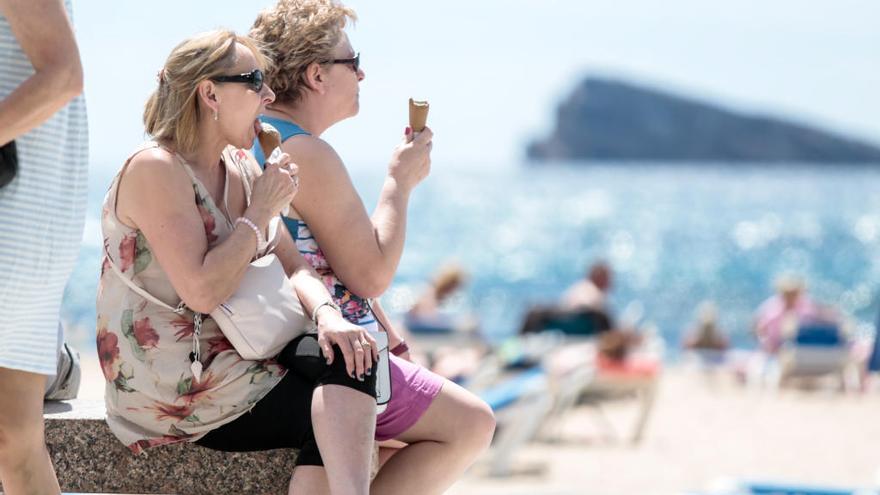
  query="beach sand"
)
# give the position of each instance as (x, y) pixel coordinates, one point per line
(698, 433)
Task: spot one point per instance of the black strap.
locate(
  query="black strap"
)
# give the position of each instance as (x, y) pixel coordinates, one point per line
(8, 163)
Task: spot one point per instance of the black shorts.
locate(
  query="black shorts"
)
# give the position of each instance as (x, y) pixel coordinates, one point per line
(282, 419)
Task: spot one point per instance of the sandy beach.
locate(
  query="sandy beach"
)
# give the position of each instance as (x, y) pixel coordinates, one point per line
(699, 432)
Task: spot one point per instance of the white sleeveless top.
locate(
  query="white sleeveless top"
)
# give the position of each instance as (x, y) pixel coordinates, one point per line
(42, 212)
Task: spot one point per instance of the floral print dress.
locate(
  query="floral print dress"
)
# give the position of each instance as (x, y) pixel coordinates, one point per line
(152, 397)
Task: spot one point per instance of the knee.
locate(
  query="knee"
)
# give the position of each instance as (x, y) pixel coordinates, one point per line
(479, 426)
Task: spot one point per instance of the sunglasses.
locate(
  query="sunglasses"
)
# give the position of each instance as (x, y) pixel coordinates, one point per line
(254, 78)
(354, 62)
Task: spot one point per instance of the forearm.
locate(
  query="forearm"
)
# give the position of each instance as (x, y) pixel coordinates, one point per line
(309, 288)
(222, 270)
(38, 98)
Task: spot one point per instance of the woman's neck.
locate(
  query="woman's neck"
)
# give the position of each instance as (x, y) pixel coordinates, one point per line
(206, 155)
(306, 114)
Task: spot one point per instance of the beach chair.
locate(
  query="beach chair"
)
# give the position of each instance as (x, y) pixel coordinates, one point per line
(609, 384)
(817, 350)
(520, 403)
(637, 376)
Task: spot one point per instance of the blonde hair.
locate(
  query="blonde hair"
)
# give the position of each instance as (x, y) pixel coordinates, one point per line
(448, 278)
(295, 34)
(172, 112)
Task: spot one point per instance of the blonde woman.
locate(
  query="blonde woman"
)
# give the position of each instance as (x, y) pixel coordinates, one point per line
(182, 220)
(42, 210)
(316, 75)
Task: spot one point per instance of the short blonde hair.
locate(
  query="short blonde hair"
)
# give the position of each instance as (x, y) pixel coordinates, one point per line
(172, 111)
(295, 34)
(448, 278)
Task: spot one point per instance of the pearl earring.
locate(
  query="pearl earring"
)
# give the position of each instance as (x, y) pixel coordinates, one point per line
(216, 115)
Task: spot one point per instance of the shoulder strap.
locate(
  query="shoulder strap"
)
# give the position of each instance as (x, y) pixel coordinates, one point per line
(181, 308)
(286, 128)
(246, 177)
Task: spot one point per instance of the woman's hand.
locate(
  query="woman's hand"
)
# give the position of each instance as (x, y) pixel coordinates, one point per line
(411, 160)
(273, 190)
(358, 346)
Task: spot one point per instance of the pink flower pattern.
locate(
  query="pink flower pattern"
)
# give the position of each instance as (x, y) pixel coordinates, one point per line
(144, 333)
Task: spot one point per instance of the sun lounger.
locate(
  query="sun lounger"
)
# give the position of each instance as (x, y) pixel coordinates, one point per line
(521, 404)
(817, 349)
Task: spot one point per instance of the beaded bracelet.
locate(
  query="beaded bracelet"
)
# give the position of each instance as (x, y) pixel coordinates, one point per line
(261, 243)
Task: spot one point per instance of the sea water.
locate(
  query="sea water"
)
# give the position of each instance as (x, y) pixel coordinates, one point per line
(675, 235)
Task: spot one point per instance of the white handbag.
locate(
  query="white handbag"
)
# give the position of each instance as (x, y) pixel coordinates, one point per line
(263, 314)
(258, 319)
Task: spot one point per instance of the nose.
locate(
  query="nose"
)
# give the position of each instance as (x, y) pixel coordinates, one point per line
(268, 95)
(361, 74)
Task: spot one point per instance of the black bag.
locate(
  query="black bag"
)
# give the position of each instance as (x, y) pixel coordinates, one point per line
(8, 163)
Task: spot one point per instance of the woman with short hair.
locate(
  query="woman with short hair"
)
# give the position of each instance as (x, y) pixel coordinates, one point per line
(316, 74)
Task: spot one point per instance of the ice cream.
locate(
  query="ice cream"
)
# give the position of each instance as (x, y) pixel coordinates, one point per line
(418, 114)
(270, 141)
(270, 138)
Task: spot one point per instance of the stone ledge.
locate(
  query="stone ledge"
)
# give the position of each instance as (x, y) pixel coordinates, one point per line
(88, 458)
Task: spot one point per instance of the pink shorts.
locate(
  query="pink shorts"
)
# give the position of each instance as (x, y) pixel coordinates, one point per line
(413, 388)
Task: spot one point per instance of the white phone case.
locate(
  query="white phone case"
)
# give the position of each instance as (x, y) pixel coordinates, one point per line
(383, 372)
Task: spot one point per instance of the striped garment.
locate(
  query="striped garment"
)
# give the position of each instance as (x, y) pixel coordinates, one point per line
(41, 220)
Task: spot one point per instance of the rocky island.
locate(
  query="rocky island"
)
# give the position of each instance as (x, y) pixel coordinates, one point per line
(605, 119)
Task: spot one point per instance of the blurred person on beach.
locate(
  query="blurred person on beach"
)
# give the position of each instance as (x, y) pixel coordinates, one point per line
(438, 428)
(182, 220)
(583, 308)
(706, 335)
(590, 292)
(427, 313)
(42, 212)
(777, 318)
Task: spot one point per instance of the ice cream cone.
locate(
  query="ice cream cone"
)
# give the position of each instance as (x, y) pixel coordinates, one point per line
(269, 138)
(418, 115)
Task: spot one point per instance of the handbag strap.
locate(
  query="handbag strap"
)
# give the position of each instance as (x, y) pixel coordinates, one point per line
(180, 309)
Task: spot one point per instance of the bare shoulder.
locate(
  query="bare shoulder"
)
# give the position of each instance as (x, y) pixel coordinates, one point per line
(154, 165)
(310, 152)
(153, 180)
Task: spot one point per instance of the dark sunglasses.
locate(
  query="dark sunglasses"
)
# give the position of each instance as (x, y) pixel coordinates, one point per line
(254, 78)
(354, 62)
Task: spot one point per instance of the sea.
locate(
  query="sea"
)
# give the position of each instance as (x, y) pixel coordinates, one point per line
(675, 234)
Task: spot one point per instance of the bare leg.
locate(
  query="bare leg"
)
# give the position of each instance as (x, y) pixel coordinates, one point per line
(344, 421)
(446, 440)
(387, 449)
(25, 467)
(309, 480)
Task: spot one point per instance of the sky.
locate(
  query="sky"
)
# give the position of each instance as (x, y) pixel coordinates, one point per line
(494, 71)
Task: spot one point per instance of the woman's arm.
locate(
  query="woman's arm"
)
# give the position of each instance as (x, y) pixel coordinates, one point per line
(395, 335)
(44, 33)
(364, 251)
(310, 289)
(156, 197)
